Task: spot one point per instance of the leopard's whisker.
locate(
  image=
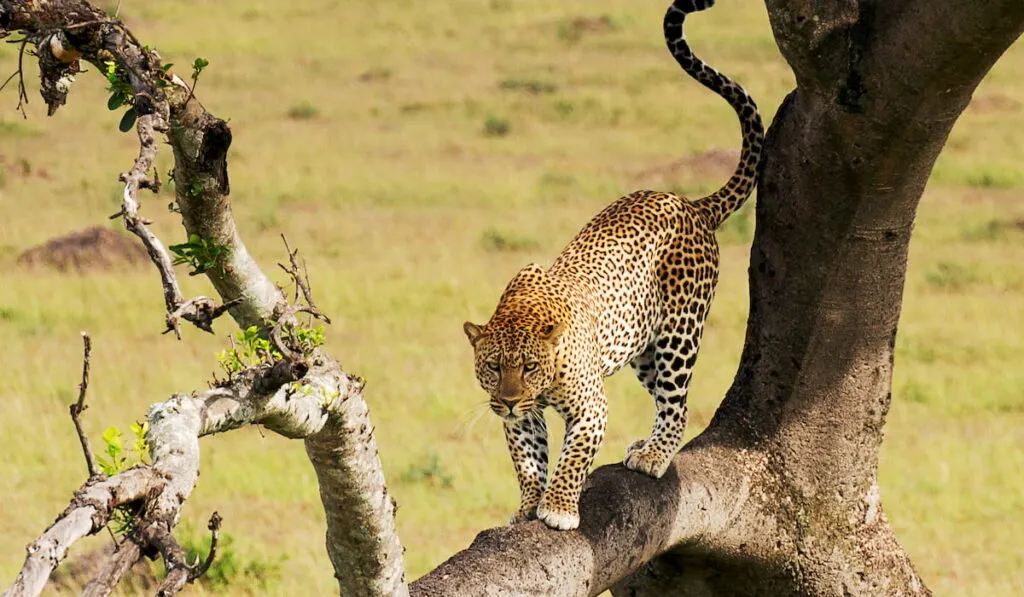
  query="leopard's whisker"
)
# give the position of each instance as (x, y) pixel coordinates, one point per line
(469, 419)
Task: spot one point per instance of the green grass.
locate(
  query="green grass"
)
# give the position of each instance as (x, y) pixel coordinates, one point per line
(364, 138)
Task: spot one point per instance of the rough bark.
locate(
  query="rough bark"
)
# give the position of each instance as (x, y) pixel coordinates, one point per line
(792, 480)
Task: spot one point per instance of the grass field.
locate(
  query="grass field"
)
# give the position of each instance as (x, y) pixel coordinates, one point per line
(419, 153)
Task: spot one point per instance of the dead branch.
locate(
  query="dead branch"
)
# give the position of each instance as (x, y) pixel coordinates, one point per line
(300, 275)
(22, 94)
(127, 554)
(79, 407)
(214, 527)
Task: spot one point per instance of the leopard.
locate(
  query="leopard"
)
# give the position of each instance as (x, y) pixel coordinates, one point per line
(633, 287)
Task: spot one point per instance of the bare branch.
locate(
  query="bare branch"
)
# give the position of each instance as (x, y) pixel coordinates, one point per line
(79, 407)
(300, 275)
(126, 556)
(20, 73)
(136, 178)
(89, 512)
(158, 535)
(214, 527)
(22, 94)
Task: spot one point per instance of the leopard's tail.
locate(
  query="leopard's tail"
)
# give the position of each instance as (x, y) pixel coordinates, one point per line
(723, 202)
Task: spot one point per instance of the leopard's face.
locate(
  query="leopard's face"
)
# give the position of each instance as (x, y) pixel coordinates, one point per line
(514, 365)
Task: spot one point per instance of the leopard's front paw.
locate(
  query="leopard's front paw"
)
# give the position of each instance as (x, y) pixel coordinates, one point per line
(523, 516)
(560, 518)
(641, 458)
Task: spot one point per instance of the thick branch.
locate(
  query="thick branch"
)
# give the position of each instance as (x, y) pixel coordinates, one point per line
(89, 512)
(627, 518)
(257, 396)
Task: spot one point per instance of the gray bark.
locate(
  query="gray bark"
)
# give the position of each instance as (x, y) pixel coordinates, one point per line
(787, 467)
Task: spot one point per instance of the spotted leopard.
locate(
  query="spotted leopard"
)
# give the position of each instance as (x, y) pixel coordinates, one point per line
(634, 286)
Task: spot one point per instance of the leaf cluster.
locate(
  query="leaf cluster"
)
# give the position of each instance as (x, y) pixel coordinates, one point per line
(199, 253)
(118, 457)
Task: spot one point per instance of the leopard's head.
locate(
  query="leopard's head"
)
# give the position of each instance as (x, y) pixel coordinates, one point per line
(514, 363)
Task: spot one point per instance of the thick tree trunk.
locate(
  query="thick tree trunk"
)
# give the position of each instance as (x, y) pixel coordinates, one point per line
(880, 85)
(779, 495)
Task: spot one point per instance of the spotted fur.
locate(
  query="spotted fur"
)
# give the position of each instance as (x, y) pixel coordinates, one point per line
(634, 286)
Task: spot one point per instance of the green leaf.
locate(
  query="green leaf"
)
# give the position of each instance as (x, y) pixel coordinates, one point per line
(200, 64)
(112, 437)
(106, 466)
(127, 121)
(167, 67)
(116, 101)
(140, 429)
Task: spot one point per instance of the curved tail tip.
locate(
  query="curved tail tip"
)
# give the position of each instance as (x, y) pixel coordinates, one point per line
(688, 6)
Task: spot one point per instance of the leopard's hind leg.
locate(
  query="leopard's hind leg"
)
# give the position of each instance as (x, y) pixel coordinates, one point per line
(665, 369)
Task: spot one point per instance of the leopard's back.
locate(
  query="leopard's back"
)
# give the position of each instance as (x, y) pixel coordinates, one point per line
(631, 262)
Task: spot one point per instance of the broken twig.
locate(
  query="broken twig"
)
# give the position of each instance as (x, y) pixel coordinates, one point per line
(79, 407)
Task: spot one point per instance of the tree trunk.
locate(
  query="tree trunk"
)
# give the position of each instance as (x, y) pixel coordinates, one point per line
(779, 495)
(880, 85)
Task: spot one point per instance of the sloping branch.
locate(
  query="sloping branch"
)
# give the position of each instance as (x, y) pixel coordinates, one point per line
(304, 396)
(627, 519)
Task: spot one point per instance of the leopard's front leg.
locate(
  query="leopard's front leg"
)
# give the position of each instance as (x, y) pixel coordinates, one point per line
(584, 431)
(527, 439)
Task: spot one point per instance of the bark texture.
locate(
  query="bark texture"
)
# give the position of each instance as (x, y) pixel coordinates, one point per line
(787, 468)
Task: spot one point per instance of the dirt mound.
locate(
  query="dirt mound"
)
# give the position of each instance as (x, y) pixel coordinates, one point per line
(92, 249)
(712, 167)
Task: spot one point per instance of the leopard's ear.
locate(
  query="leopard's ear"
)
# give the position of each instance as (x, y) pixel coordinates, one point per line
(473, 332)
(551, 331)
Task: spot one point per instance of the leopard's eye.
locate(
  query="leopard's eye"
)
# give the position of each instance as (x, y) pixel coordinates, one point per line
(494, 365)
(529, 367)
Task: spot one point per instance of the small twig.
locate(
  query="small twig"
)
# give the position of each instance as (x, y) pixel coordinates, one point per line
(22, 94)
(200, 311)
(214, 527)
(79, 407)
(192, 88)
(8, 80)
(89, 23)
(301, 277)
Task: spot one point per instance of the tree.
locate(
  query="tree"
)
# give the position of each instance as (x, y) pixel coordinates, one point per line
(777, 496)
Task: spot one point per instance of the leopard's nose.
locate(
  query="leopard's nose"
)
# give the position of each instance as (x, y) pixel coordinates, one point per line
(509, 402)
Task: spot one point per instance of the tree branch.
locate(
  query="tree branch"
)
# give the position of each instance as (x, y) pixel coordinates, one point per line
(304, 396)
(89, 512)
(627, 519)
(127, 554)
